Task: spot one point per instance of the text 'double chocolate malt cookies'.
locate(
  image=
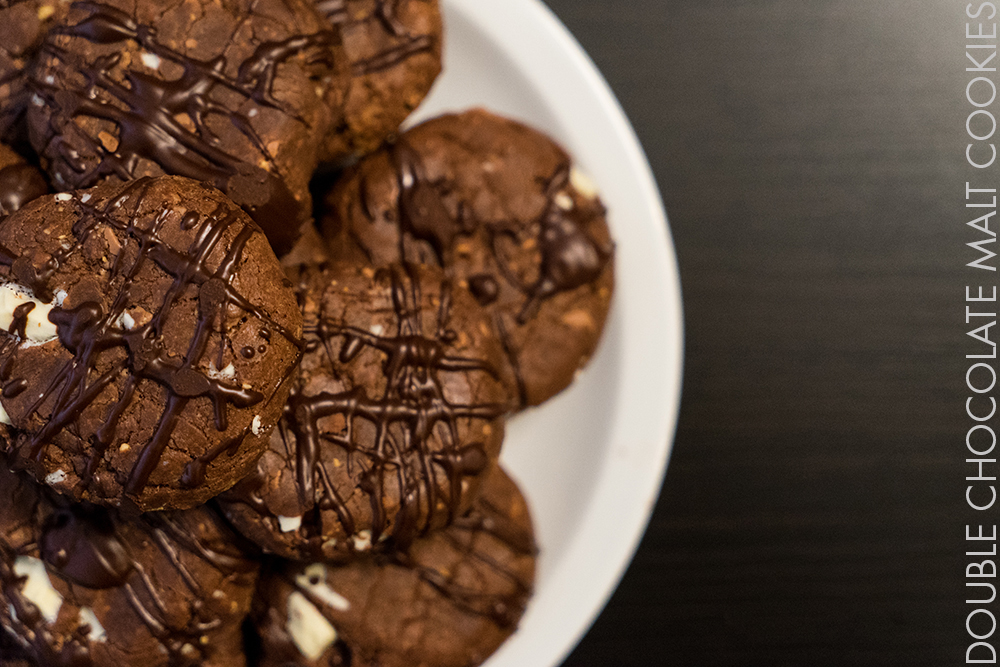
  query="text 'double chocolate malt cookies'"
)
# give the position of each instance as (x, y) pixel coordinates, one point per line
(236, 93)
(147, 340)
(20, 183)
(394, 51)
(501, 207)
(23, 24)
(82, 587)
(395, 414)
(449, 601)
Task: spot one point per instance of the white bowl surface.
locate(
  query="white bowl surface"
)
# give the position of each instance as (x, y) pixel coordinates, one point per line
(590, 461)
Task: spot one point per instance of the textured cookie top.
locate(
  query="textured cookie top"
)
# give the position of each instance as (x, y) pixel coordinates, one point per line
(448, 601)
(82, 587)
(150, 337)
(23, 24)
(394, 51)
(501, 207)
(236, 93)
(394, 415)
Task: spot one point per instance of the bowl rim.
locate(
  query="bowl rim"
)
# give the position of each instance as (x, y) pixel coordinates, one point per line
(592, 125)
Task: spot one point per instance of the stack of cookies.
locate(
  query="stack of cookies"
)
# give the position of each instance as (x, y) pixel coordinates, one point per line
(258, 345)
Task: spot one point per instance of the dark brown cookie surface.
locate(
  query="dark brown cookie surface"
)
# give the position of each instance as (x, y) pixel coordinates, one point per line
(395, 414)
(500, 206)
(23, 24)
(12, 654)
(82, 587)
(127, 311)
(450, 601)
(309, 250)
(19, 181)
(235, 93)
(394, 51)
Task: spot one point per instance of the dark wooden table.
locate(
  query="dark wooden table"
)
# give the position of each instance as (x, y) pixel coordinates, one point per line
(812, 160)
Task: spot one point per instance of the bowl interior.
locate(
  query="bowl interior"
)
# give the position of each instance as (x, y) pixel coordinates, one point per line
(590, 461)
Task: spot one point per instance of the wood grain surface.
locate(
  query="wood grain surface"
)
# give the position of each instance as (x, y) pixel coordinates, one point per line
(811, 158)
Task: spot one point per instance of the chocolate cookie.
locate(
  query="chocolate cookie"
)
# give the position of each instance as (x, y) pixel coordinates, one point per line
(23, 24)
(81, 586)
(394, 51)
(450, 601)
(127, 313)
(12, 654)
(236, 93)
(19, 181)
(502, 208)
(309, 250)
(395, 414)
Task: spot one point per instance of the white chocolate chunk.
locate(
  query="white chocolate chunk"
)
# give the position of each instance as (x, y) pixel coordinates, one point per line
(310, 631)
(582, 183)
(313, 579)
(88, 617)
(55, 477)
(126, 321)
(227, 373)
(150, 60)
(4, 417)
(289, 524)
(257, 427)
(362, 540)
(38, 327)
(564, 201)
(38, 588)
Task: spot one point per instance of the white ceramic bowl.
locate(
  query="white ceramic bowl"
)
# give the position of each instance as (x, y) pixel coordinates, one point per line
(590, 461)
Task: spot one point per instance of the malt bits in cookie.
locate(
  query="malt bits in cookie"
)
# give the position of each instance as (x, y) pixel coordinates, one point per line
(448, 601)
(20, 183)
(23, 24)
(394, 416)
(79, 585)
(394, 51)
(501, 207)
(236, 93)
(147, 340)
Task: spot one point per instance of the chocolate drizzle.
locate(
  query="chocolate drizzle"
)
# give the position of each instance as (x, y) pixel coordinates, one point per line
(11, 387)
(403, 44)
(423, 213)
(570, 258)
(465, 536)
(19, 320)
(102, 350)
(484, 288)
(147, 113)
(410, 415)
